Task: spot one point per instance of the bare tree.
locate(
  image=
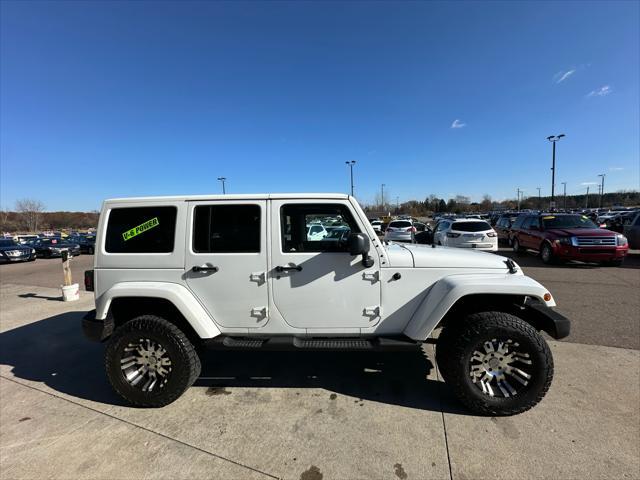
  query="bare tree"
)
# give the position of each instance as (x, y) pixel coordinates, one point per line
(30, 212)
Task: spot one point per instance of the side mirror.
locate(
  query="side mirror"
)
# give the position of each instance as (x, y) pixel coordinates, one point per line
(358, 244)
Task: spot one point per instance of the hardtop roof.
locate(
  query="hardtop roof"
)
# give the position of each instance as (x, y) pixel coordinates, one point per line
(248, 196)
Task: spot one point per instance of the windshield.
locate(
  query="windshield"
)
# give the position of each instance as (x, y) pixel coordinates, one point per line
(7, 243)
(470, 226)
(567, 221)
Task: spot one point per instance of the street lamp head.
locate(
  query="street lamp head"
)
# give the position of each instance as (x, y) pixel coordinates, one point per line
(222, 178)
(550, 137)
(561, 135)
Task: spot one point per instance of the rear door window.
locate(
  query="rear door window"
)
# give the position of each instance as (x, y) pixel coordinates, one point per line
(226, 229)
(141, 230)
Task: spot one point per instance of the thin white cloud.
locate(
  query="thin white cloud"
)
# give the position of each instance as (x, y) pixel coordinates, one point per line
(616, 169)
(563, 75)
(600, 92)
(457, 123)
(589, 183)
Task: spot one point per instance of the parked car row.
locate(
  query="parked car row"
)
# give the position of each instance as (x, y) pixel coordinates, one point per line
(557, 237)
(30, 247)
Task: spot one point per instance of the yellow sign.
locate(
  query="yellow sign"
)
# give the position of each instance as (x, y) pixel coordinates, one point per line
(548, 218)
(148, 225)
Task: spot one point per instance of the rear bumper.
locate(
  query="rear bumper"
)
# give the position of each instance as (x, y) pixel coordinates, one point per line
(398, 237)
(546, 318)
(97, 330)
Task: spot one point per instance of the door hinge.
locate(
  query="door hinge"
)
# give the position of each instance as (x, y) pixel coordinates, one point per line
(258, 277)
(372, 312)
(371, 277)
(259, 312)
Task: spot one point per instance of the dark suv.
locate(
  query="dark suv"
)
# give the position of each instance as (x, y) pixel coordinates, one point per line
(561, 237)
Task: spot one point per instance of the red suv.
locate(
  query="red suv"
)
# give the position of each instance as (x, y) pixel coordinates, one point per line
(568, 237)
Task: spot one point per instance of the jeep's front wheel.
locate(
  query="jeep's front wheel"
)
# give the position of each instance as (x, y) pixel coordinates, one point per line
(496, 363)
(150, 362)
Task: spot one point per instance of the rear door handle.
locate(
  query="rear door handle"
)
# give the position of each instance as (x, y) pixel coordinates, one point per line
(204, 269)
(297, 268)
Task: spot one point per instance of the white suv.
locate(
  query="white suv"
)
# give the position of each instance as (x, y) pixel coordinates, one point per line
(174, 274)
(466, 233)
(400, 231)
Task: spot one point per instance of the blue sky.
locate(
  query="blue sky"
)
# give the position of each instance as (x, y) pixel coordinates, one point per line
(105, 99)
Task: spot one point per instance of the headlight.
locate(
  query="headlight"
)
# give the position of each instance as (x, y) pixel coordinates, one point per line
(33, 250)
(564, 241)
(621, 240)
(491, 234)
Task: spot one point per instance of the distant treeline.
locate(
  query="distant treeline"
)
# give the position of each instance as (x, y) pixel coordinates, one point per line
(23, 222)
(462, 204)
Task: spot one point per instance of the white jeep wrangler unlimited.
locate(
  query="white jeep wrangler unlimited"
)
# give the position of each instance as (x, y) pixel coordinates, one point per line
(173, 274)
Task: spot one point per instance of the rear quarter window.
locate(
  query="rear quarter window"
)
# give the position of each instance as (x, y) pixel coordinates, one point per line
(141, 230)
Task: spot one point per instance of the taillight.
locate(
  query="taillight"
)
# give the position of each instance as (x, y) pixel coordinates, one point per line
(411, 229)
(88, 280)
(452, 235)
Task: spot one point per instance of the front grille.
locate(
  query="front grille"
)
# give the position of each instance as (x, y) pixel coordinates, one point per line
(597, 241)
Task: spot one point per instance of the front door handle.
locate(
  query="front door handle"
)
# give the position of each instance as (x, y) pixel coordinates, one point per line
(297, 268)
(204, 269)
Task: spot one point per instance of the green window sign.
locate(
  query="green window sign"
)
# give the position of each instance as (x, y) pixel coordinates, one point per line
(135, 231)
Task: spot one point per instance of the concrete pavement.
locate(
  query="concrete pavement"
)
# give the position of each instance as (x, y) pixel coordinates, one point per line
(300, 416)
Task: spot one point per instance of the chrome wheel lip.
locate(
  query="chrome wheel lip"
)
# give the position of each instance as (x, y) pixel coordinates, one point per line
(546, 253)
(500, 368)
(145, 364)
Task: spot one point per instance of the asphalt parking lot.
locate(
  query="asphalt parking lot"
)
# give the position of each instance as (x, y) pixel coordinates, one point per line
(316, 416)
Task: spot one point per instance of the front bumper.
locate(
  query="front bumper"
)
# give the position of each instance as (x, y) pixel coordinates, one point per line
(97, 330)
(21, 258)
(546, 318)
(589, 254)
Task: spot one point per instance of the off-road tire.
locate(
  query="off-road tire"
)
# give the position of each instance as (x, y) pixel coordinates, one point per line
(546, 254)
(457, 343)
(185, 364)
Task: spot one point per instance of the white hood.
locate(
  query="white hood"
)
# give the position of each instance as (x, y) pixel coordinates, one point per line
(426, 256)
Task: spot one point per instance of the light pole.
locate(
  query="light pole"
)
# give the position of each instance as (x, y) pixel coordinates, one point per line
(539, 199)
(351, 164)
(553, 139)
(519, 192)
(602, 175)
(382, 195)
(223, 179)
(586, 202)
(564, 184)
(397, 205)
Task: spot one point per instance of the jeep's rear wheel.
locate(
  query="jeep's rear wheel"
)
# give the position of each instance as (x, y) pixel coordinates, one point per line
(496, 363)
(150, 362)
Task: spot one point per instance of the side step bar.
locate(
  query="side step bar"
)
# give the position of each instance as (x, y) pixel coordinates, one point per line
(225, 342)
